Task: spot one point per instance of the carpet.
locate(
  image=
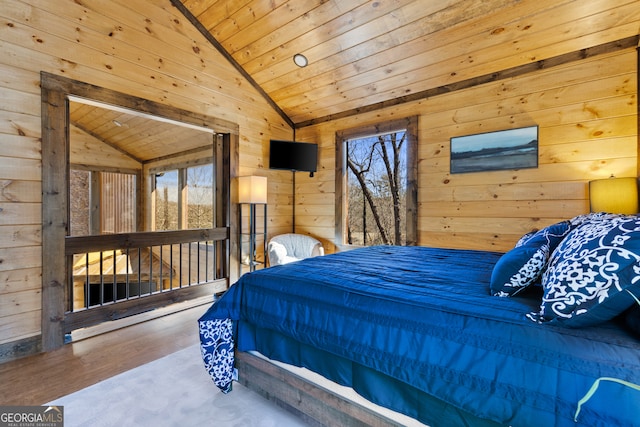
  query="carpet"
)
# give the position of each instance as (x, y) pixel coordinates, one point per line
(172, 391)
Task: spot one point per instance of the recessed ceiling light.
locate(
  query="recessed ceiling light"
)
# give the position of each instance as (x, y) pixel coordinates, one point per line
(300, 60)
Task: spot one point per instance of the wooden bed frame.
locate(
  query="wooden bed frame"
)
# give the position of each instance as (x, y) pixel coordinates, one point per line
(316, 405)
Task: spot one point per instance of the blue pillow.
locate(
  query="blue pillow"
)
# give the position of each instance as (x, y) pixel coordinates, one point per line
(517, 269)
(524, 264)
(594, 273)
(551, 235)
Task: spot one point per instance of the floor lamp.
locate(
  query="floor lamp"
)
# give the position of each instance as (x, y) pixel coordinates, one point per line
(252, 190)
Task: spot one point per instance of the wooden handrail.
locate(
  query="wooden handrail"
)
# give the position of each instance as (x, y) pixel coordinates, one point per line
(169, 262)
(104, 242)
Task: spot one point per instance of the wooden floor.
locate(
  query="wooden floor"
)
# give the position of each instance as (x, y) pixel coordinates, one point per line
(42, 378)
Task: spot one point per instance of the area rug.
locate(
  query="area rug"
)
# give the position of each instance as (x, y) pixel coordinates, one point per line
(172, 391)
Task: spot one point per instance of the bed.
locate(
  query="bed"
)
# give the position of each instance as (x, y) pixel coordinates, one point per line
(545, 334)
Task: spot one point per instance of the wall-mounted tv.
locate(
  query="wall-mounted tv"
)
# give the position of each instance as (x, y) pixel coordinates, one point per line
(295, 156)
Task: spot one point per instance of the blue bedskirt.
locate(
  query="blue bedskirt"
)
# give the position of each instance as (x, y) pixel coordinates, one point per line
(423, 317)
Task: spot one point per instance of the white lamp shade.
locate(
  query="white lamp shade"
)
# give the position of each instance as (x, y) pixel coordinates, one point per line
(252, 189)
(614, 195)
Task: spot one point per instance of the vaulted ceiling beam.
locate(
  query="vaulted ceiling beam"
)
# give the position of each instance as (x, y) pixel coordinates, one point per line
(194, 21)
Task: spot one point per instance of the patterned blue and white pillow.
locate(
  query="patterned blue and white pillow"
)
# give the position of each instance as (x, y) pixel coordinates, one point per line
(524, 239)
(593, 216)
(593, 273)
(524, 264)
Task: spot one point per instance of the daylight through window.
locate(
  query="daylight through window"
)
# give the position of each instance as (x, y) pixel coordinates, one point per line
(184, 198)
(101, 202)
(376, 189)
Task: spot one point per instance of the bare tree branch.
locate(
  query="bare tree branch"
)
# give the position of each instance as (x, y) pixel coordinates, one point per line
(376, 163)
(359, 174)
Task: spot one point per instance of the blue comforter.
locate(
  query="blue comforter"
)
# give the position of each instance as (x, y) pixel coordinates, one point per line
(424, 317)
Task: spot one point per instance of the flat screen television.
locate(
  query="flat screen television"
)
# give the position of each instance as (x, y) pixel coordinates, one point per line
(295, 156)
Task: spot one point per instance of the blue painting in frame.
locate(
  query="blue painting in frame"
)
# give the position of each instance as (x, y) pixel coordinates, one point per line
(501, 150)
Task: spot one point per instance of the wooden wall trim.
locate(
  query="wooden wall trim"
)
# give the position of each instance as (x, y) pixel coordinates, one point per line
(107, 96)
(20, 348)
(340, 190)
(55, 207)
(487, 78)
(228, 146)
(207, 35)
(411, 203)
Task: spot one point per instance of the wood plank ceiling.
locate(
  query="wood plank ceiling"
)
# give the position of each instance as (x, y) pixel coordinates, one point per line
(136, 135)
(365, 54)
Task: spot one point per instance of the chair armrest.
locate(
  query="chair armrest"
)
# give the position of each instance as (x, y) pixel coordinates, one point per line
(277, 253)
(317, 250)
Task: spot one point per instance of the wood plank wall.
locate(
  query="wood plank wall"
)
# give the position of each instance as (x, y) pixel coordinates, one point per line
(587, 117)
(586, 112)
(142, 47)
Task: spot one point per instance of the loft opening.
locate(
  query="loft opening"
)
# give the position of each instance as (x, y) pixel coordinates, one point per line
(118, 239)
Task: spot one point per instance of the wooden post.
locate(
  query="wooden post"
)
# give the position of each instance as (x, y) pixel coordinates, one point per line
(411, 222)
(230, 211)
(55, 131)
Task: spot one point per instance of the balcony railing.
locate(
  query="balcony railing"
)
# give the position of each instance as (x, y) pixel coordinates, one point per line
(117, 275)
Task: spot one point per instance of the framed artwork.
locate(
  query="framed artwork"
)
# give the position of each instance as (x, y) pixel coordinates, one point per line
(506, 149)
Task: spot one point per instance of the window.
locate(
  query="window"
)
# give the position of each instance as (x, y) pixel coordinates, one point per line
(166, 201)
(102, 202)
(183, 198)
(377, 191)
(118, 202)
(80, 200)
(200, 196)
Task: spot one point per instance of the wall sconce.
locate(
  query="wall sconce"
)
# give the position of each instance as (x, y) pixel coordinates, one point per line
(252, 189)
(614, 195)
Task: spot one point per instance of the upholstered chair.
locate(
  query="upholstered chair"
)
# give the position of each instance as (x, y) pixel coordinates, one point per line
(286, 248)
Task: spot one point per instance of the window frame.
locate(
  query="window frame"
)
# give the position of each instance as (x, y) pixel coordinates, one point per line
(410, 125)
(95, 203)
(183, 186)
